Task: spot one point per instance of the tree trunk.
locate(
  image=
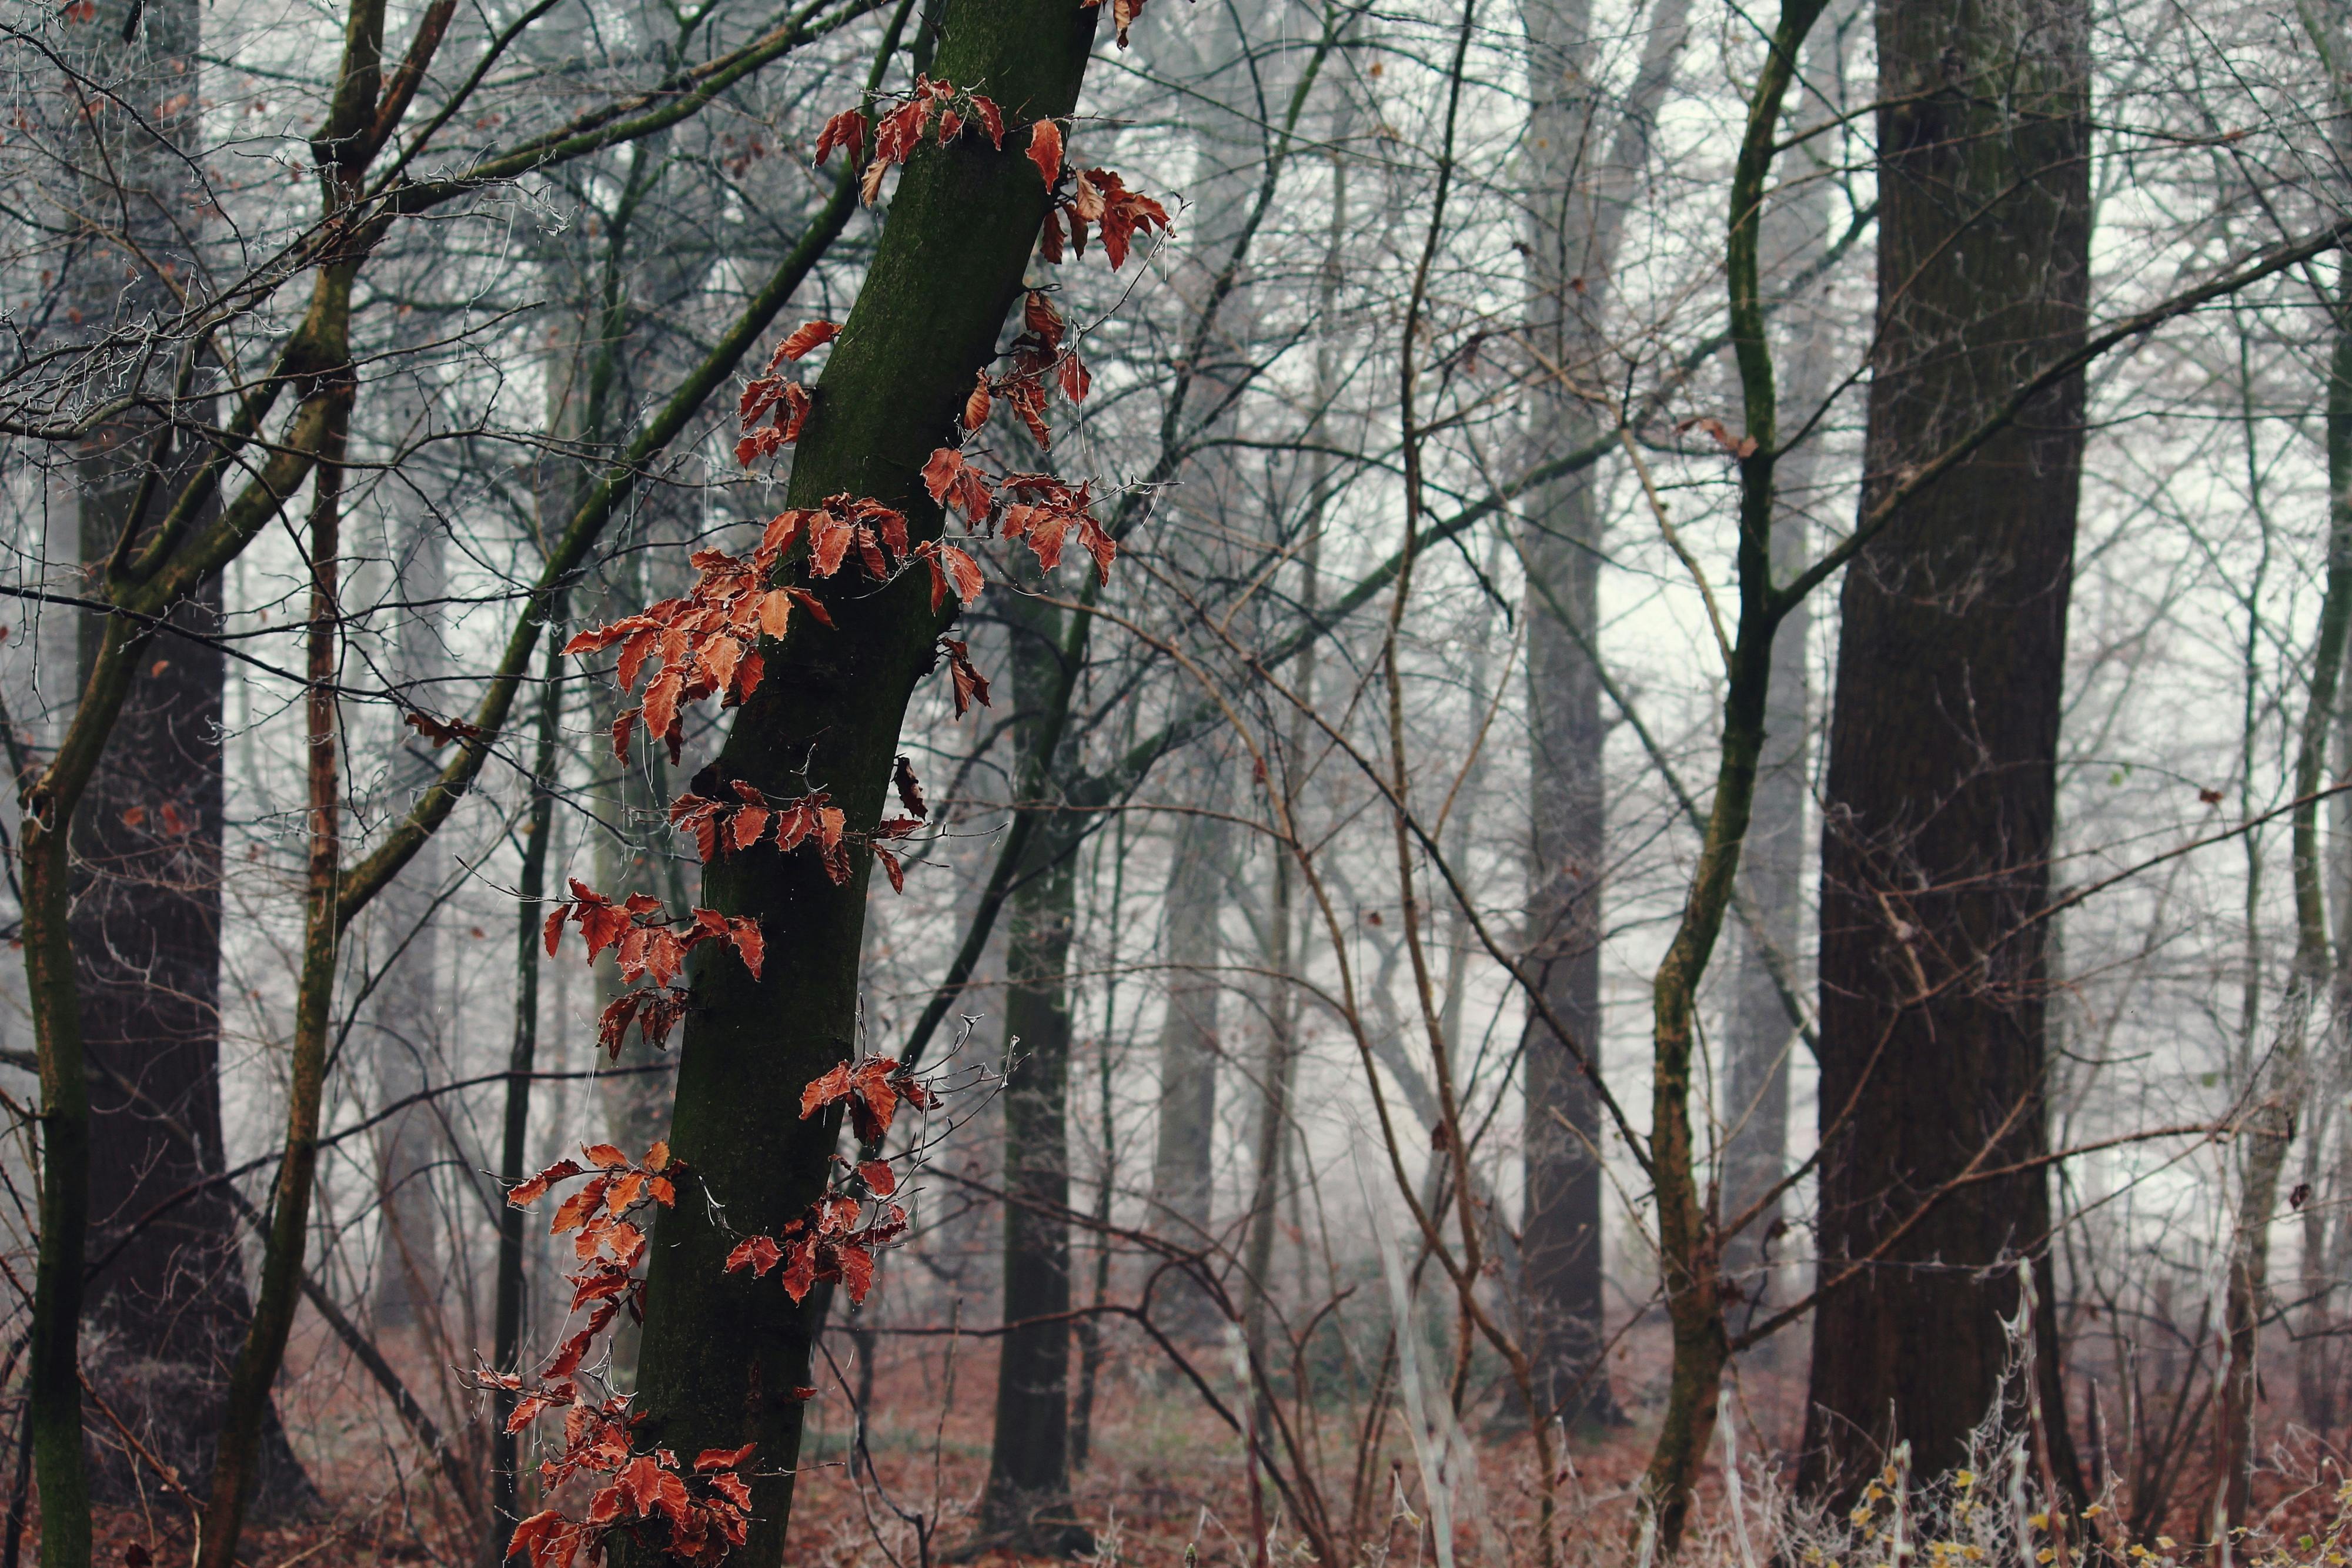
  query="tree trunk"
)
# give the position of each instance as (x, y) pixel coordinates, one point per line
(264, 1349)
(1576, 199)
(407, 1017)
(514, 1155)
(1942, 778)
(167, 1309)
(1759, 1034)
(1026, 1505)
(2276, 1099)
(723, 1352)
(1190, 1053)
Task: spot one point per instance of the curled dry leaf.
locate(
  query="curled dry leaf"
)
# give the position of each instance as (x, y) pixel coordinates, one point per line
(1045, 151)
(810, 336)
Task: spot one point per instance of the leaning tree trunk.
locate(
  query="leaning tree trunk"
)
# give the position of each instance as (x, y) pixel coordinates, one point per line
(723, 1353)
(1943, 742)
(1026, 1505)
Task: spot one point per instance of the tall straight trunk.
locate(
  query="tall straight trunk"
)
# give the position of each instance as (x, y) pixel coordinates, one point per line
(723, 1353)
(1759, 1034)
(1190, 1052)
(1271, 1137)
(1943, 741)
(2277, 1096)
(407, 1013)
(1582, 169)
(1026, 1504)
(167, 1310)
(514, 1152)
(264, 1348)
(2318, 1358)
(1108, 1059)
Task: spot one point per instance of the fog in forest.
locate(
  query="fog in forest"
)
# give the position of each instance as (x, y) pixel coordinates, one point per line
(900, 782)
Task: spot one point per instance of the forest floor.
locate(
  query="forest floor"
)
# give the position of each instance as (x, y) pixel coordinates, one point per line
(1166, 1474)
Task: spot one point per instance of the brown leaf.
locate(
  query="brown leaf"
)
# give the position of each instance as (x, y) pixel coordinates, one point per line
(846, 131)
(909, 789)
(1045, 151)
(824, 1089)
(810, 336)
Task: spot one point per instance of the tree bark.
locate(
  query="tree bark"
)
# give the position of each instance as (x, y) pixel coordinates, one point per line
(265, 1344)
(1026, 1505)
(406, 1015)
(2282, 1086)
(1758, 1033)
(1576, 198)
(167, 1309)
(1942, 780)
(1190, 1050)
(514, 1154)
(723, 1353)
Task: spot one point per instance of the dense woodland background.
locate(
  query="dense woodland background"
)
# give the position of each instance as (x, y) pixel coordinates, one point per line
(1686, 891)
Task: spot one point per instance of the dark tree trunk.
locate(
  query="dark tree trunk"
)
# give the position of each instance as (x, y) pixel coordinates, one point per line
(1026, 1505)
(168, 1306)
(1942, 780)
(168, 1309)
(723, 1353)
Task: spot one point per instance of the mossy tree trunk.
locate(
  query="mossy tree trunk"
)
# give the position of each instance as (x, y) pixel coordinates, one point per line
(723, 1353)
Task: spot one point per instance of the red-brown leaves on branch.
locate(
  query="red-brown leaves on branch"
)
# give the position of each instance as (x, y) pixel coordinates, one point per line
(842, 527)
(1049, 514)
(785, 403)
(696, 1519)
(442, 732)
(933, 107)
(1123, 14)
(810, 336)
(1037, 507)
(706, 644)
(610, 1243)
(703, 645)
(646, 940)
(874, 1088)
(1040, 320)
(1099, 197)
(655, 1009)
(720, 828)
(1045, 151)
(824, 1244)
(522, 1195)
(971, 686)
(642, 1181)
(846, 131)
(909, 787)
(954, 483)
(828, 1242)
(976, 405)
